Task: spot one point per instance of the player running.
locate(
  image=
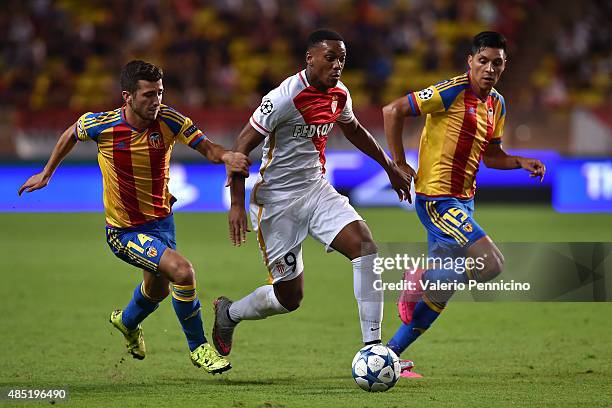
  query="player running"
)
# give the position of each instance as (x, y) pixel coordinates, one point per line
(292, 198)
(465, 121)
(134, 147)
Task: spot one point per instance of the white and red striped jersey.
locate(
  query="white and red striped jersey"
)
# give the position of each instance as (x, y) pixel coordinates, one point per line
(296, 119)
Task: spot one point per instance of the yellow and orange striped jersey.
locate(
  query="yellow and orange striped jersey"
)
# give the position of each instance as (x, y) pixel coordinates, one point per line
(135, 162)
(458, 128)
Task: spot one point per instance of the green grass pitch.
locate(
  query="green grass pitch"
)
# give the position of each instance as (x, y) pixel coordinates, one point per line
(61, 281)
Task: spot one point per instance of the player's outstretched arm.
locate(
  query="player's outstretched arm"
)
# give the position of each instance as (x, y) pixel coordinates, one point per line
(235, 162)
(63, 146)
(496, 158)
(400, 178)
(248, 139)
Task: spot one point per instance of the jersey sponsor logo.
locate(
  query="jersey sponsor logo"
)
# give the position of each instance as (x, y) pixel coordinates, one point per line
(425, 94)
(190, 130)
(310, 131)
(334, 103)
(155, 140)
(266, 107)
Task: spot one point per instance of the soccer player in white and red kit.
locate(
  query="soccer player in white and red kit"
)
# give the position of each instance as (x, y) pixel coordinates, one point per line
(292, 198)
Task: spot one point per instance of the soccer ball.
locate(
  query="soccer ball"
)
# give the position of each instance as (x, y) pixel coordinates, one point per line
(376, 368)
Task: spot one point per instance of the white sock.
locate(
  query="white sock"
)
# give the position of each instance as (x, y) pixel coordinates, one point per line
(369, 300)
(259, 304)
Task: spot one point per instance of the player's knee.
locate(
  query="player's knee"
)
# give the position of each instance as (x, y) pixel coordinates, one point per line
(368, 247)
(494, 267)
(183, 272)
(361, 247)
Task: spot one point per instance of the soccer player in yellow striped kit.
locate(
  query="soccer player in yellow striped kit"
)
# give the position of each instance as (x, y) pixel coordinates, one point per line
(465, 121)
(134, 147)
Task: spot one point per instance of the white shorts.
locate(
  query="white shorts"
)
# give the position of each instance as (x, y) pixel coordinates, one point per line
(282, 227)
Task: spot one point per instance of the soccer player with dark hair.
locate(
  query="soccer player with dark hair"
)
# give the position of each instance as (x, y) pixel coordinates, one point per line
(134, 147)
(465, 121)
(292, 199)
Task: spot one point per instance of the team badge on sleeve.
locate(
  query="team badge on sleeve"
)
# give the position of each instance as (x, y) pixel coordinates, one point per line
(266, 107)
(80, 130)
(190, 130)
(425, 94)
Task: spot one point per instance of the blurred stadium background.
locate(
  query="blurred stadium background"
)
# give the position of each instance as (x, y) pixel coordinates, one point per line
(61, 58)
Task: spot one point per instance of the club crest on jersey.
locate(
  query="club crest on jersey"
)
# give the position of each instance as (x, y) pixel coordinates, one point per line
(425, 94)
(151, 252)
(155, 140)
(467, 227)
(279, 267)
(334, 103)
(266, 107)
(310, 131)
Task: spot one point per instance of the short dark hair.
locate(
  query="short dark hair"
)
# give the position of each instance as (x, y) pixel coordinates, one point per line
(136, 70)
(319, 36)
(488, 39)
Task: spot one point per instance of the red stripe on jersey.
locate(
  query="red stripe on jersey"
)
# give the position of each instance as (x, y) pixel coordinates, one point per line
(464, 142)
(414, 105)
(302, 78)
(122, 160)
(490, 117)
(259, 126)
(157, 159)
(491, 109)
(320, 108)
(319, 144)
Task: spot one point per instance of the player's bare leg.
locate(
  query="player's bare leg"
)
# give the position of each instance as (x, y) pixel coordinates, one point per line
(355, 242)
(493, 259)
(155, 287)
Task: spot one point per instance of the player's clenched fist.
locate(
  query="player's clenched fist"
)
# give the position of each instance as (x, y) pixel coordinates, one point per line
(236, 163)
